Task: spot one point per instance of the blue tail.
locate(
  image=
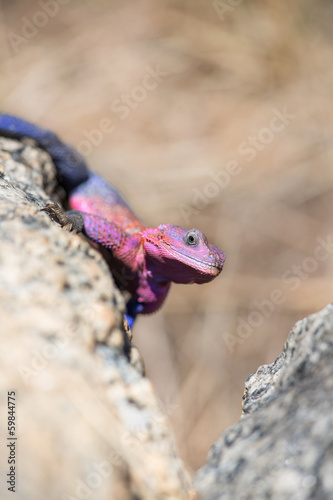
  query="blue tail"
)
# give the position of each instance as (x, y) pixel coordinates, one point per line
(70, 165)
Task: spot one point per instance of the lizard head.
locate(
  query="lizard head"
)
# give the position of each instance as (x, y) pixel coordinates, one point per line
(180, 255)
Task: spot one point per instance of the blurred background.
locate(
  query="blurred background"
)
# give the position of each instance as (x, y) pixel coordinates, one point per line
(216, 115)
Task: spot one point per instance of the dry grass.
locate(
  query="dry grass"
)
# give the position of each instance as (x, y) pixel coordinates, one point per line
(225, 79)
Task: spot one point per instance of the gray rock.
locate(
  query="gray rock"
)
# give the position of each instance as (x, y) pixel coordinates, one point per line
(88, 424)
(282, 448)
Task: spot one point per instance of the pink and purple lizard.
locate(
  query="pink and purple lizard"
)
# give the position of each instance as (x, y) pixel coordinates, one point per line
(144, 261)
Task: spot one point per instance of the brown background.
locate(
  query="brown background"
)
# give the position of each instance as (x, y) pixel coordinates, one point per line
(229, 67)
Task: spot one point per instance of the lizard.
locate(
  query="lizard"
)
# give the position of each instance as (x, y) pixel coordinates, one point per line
(143, 260)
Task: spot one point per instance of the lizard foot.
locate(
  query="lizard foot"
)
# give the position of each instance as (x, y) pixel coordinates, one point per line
(71, 220)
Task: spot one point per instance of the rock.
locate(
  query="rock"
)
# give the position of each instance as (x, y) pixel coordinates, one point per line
(87, 423)
(282, 448)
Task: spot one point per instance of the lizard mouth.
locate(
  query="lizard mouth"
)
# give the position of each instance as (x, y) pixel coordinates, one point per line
(214, 267)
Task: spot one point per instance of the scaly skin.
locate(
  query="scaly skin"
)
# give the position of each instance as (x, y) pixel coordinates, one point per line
(144, 261)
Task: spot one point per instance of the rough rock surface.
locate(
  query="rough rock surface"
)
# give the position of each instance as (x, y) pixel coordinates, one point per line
(88, 424)
(282, 448)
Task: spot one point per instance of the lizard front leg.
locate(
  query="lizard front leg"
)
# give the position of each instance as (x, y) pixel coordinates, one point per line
(71, 220)
(108, 235)
(124, 247)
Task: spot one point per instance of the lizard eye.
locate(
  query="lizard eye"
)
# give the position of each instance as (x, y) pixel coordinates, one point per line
(192, 238)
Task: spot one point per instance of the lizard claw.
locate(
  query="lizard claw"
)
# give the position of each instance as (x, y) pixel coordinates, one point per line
(72, 220)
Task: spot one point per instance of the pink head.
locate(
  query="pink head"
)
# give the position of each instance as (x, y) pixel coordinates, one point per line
(182, 256)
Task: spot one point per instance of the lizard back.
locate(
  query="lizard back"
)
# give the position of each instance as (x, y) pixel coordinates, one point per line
(98, 197)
